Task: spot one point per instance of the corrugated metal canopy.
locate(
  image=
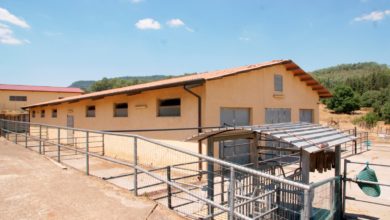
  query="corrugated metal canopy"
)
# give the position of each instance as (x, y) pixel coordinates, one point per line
(309, 137)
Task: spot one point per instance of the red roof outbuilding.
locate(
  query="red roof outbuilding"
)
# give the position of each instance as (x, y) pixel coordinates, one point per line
(40, 88)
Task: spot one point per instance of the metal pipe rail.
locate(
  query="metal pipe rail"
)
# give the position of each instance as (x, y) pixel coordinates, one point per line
(345, 179)
(368, 182)
(234, 168)
(184, 151)
(173, 184)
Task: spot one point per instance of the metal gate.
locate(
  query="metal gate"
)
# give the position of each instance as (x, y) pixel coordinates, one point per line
(236, 151)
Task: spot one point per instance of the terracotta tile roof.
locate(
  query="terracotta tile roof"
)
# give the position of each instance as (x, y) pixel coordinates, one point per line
(40, 88)
(189, 79)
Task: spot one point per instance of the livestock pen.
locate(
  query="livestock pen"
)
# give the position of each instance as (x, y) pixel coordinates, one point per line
(203, 186)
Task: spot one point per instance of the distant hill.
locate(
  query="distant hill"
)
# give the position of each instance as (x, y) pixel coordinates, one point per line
(117, 82)
(361, 77)
(82, 84)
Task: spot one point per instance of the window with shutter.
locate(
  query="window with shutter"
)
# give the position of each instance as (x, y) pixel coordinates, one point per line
(121, 110)
(91, 111)
(278, 83)
(54, 113)
(169, 107)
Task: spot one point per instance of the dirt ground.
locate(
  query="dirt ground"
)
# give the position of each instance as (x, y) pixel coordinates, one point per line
(33, 187)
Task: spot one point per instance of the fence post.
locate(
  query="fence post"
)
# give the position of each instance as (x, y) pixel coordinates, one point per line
(210, 175)
(169, 188)
(231, 194)
(344, 186)
(16, 132)
(87, 152)
(222, 186)
(58, 145)
(306, 205)
(103, 145)
(135, 166)
(40, 139)
(278, 198)
(8, 130)
(355, 141)
(25, 132)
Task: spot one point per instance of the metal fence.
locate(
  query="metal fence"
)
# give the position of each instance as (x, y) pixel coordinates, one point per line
(360, 145)
(175, 176)
(346, 179)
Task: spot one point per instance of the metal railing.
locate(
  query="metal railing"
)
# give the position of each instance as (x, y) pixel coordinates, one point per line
(355, 180)
(359, 145)
(169, 174)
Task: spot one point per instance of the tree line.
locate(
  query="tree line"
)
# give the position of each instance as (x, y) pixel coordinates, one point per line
(358, 85)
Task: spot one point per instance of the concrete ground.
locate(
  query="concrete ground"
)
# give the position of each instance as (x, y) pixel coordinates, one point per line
(361, 206)
(33, 187)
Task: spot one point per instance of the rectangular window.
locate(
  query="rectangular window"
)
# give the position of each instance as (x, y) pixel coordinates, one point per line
(54, 113)
(278, 83)
(306, 115)
(121, 110)
(169, 107)
(18, 98)
(33, 114)
(91, 111)
(42, 113)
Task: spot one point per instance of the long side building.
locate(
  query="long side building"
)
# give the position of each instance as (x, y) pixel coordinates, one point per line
(269, 92)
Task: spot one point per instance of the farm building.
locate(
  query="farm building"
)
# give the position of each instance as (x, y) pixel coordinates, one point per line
(254, 132)
(271, 92)
(14, 97)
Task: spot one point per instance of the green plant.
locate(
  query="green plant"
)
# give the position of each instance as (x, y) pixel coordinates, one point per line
(386, 113)
(369, 98)
(344, 100)
(369, 120)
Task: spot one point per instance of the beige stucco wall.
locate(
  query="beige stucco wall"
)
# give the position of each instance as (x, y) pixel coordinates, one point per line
(252, 90)
(255, 90)
(145, 118)
(32, 98)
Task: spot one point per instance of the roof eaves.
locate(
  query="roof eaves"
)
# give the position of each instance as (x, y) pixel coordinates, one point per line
(129, 92)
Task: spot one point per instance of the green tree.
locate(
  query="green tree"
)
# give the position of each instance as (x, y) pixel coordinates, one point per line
(386, 113)
(369, 98)
(344, 100)
(103, 84)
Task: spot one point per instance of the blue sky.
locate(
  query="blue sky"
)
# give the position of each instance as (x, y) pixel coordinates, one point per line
(53, 42)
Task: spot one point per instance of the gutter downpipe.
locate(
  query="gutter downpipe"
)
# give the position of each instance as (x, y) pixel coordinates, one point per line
(200, 165)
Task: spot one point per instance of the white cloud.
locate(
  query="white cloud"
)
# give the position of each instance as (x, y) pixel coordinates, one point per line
(175, 22)
(373, 16)
(6, 16)
(148, 23)
(6, 36)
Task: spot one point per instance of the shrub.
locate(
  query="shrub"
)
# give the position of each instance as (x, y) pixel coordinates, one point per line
(369, 120)
(344, 100)
(369, 98)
